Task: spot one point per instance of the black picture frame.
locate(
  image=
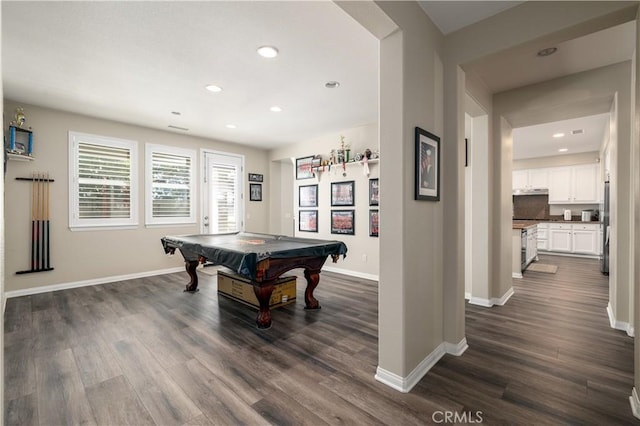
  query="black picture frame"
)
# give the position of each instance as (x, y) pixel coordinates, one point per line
(308, 220)
(466, 152)
(343, 222)
(427, 166)
(255, 177)
(374, 192)
(304, 168)
(374, 223)
(255, 192)
(308, 196)
(343, 193)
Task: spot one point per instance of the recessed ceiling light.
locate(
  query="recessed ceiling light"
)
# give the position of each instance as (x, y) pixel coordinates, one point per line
(548, 51)
(231, 126)
(176, 113)
(558, 135)
(332, 84)
(563, 150)
(213, 88)
(267, 51)
(275, 109)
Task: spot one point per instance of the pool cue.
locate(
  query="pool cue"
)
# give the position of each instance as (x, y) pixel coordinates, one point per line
(37, 221)
(33, 221)
(42, 194)
(48, 247)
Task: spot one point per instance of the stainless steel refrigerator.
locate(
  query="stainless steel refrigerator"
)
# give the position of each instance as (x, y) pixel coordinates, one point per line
(604, 259)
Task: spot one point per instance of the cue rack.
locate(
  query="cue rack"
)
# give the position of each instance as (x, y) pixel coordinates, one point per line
(40, 223)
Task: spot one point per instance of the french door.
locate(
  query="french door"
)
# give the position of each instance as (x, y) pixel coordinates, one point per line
(223, 193)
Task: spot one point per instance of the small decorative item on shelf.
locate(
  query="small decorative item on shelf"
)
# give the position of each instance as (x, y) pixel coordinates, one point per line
(20, 118)
(20, 139)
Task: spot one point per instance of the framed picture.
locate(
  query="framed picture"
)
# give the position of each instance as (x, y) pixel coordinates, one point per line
(308, 220)
(303, 167)
(373, 223)
(374, 198)
(255, 192)
(466, 152)
(308, 196)
(254, 177)
(427, 185)
(343, 222)
(342, 193)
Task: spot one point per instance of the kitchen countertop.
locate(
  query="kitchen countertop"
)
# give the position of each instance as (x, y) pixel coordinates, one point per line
(526, 223)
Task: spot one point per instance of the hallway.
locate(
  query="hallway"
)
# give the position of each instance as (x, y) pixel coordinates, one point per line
(547, 356)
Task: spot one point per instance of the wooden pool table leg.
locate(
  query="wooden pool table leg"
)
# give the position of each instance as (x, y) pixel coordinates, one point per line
(190, 266)
(263, 293)
(313, 277)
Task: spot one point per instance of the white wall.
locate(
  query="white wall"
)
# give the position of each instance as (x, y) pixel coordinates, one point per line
(363, 257)
(93, 255)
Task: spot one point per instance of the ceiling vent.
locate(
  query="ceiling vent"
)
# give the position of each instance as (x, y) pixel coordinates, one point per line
(577, 132)
(178, 128)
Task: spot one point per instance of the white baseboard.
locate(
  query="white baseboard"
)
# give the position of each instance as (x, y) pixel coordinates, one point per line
(583, 256)
(94, 281)
(516, 275)
(480, 302)
(456, 349)
(467, 296)
(504, 299)
(635, 403)
(487, 303)
(405, 384)
(356, 274)
(619, 325)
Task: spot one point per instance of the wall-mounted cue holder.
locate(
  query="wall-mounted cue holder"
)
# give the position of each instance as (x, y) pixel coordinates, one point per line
(40, 223)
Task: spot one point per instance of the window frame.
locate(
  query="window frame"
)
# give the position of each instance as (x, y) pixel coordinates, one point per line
(150, 221)
(75, 222)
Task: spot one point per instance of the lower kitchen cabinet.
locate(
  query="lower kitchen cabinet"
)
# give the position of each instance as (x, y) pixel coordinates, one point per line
(560, 238)
(585, 239)
(580, 238)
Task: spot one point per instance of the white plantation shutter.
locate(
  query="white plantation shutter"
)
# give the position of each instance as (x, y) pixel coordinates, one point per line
(170, 185)
(225, 193)
(103, 181)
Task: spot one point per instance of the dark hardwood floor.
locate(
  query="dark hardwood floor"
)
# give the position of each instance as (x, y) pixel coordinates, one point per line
(143, 352)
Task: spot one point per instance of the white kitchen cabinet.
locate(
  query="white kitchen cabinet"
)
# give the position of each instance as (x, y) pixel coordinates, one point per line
(585, 184)
(577, 238)
(530, 178)
(543, 236)
(585, 239)
(539, 178)
(520, 179)
(574, 184)
(560, 184)
(560, 239)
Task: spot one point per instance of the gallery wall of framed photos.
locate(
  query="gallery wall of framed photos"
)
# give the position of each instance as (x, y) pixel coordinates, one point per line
(333, 201)
(312, 196)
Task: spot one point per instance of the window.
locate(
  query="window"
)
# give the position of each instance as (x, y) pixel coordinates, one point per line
(103, 181)
(169, 185)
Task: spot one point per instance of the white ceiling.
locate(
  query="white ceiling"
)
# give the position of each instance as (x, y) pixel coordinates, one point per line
(136, 62)
(450, 16)
(538, 141)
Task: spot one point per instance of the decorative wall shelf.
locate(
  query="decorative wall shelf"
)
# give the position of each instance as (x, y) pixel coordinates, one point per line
(19, 157)
(340, 168)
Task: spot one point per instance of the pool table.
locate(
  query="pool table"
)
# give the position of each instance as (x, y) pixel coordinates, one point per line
(261, 258)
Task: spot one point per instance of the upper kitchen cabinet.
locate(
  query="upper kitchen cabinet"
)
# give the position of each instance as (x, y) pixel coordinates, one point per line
(574, 184)
(530, 178)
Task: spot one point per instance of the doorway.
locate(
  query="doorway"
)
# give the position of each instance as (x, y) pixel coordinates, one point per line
(222, 193)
